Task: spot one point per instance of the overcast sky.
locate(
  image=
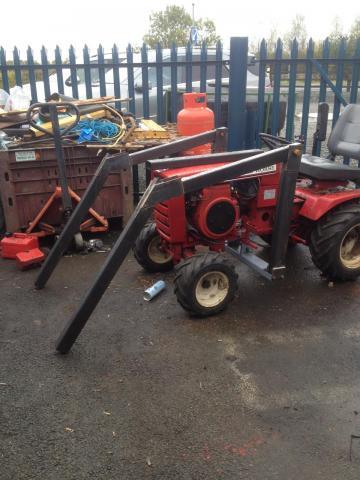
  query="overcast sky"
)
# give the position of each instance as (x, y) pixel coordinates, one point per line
(76, 22)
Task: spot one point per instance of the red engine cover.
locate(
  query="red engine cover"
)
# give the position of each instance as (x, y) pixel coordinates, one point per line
(217, 213)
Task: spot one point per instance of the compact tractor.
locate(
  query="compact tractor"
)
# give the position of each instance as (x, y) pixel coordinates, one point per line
(202, 212)
(232, 215)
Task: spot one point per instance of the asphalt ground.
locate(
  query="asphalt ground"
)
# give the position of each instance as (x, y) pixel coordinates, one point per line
(270, 389)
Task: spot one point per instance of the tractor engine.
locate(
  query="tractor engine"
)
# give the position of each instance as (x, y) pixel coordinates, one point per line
(210, 216)
(214, 212)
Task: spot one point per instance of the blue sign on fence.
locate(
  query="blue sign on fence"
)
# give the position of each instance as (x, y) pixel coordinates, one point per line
(194, 35)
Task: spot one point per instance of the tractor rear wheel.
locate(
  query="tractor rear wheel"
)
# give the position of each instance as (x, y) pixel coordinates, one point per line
(205, 284)
(150, 252)
(335, 243)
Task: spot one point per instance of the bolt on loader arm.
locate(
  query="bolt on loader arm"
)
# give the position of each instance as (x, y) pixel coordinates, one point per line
(162, 190)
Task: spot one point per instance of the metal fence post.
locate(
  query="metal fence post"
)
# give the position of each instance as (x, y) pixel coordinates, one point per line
(73, 72)
(275, 110)
(292, 91)
(174, 75)
(339, 81)
(59, 72)
(17, 69)
(145, 81)
(101, 62)
(4, 71)
(261, 91)
(355, 73)
(32, 77)
(87, 72)
(45, 72)
(160, 85)
(307, 90)
(218, 82)
(237, 92)
(116, 74)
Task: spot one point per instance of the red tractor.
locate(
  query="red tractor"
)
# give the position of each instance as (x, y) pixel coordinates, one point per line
(235, 214)
(228, 201)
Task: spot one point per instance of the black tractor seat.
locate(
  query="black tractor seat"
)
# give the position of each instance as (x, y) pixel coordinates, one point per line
(326, 169)
(344, 140)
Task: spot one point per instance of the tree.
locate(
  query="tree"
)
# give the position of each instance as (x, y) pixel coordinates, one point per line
(336, 36)
(298, 31)
(271, 41)
(173, 25)
(354, 35)
(337, 30)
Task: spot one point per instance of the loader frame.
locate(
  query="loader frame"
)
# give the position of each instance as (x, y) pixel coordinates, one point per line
(160, 190)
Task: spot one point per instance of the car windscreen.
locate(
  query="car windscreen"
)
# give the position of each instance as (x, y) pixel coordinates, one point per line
(94, 72)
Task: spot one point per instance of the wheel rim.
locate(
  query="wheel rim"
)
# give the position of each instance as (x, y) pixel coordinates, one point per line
(157, 252)
(212, 289)
(350, 248)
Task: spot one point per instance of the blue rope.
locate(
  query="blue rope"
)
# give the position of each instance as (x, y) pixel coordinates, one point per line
(102, 131)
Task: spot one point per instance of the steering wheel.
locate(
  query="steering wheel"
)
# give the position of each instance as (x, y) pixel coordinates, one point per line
(63, 107)
(272, 141)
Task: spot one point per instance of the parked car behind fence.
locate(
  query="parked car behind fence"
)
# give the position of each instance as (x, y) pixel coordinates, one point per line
(143, 88)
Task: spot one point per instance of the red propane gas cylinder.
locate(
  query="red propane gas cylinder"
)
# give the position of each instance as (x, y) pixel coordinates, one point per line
(195, 118)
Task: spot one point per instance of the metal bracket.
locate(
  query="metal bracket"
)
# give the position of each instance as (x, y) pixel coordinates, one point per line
(251, 260)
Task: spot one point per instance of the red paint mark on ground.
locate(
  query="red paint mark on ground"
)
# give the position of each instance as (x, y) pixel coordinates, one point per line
(246, 449)
(206, 453)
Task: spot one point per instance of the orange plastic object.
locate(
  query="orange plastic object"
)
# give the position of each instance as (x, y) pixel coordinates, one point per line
(29, 258)
(18, 242)
(195, 118)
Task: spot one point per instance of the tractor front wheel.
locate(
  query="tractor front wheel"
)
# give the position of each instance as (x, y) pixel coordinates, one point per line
(205, 284)
(335, 243)
(149, 251)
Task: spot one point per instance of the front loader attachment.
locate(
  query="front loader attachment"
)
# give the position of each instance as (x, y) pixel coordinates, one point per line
(162, 190)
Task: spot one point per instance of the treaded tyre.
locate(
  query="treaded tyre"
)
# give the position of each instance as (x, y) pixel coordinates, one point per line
(335, 243)
(149, 253)
(205, 284)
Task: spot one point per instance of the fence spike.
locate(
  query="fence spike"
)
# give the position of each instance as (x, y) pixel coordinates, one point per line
(261, 91)
(203, 58)
(341, 53)
(4, 72)
(59, 72)
(73, 72)
(45, 72)
(218, 83)
(130, 75)
(275, 111)
(188, 67)
(355, 74)
(16, 58)
(101, 62)
(32, 78)
(116, 74)
(87, 71)
(173, 69)
(294, 49)
(145, 81)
